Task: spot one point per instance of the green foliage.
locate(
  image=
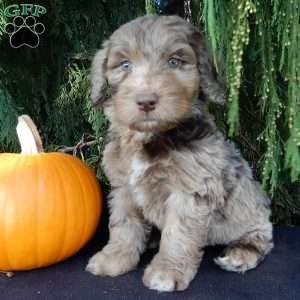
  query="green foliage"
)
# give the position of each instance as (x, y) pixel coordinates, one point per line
(255, 45)
(50, 83)
(2, 20)
(259, 42)
(150, 10)
(8, 116)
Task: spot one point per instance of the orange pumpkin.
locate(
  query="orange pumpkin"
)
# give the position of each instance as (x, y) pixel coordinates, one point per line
(50, 204)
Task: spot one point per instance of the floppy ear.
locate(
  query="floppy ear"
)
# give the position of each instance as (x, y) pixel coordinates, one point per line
(99, 84)
(210, 83)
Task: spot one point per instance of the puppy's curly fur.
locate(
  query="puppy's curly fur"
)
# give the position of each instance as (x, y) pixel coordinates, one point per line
(168, 165)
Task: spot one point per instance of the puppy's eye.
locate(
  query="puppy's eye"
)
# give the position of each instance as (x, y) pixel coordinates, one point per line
(174, 62)
(126, 65)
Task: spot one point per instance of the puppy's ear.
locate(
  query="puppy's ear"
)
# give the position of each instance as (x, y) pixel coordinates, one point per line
(99, 84)
(211, 84)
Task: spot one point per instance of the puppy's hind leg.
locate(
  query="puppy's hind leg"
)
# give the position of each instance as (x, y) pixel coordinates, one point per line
(246, 253)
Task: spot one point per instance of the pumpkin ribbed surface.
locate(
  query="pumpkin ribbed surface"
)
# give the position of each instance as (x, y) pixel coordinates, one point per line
(50, 204)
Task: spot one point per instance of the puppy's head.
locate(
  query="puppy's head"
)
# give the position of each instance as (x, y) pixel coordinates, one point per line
(154, 67)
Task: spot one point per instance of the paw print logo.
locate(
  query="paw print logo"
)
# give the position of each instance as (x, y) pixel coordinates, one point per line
(24, 32)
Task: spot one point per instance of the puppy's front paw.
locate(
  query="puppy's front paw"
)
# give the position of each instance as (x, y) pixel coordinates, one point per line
(164, 280)
(103, 264)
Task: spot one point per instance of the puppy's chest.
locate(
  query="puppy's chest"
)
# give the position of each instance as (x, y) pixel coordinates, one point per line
(142, 170)
(138, 171)
(147, 177)
(149, 184)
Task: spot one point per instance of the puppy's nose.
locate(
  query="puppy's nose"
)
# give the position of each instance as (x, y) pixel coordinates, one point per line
(147, 103)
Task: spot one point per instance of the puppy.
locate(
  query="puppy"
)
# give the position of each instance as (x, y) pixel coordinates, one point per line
(168, 165)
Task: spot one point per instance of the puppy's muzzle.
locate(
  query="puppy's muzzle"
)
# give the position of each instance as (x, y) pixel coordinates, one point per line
(147, 102)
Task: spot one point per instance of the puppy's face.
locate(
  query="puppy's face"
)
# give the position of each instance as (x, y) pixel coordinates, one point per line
(151, 65)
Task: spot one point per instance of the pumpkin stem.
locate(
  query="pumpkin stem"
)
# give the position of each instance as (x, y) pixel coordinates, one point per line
(29, 137)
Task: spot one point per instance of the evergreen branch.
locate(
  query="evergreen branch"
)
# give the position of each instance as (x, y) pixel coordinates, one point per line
(79, 146)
